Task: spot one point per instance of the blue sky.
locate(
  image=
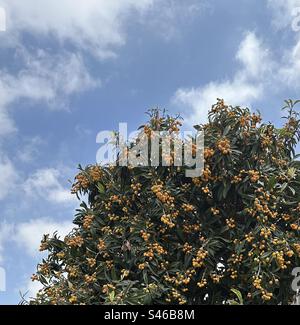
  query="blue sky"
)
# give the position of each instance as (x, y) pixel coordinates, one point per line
(68, 71)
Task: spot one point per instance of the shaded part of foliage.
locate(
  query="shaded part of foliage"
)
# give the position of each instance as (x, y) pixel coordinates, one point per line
(152, 236)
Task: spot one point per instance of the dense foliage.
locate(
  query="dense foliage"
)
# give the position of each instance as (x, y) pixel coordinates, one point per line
(153, 236)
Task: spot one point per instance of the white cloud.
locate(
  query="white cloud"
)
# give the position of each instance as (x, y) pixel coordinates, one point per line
(286, 14)
(254, 57)
(282, 11)
(48, 77)
(43, 78)
(245, 86)
(7, 125)
(29, 149)
(95, 27)
(92, 25)
(259, 74)
(289, 72)
(8, 177)
(29, 234)
(199, 100)
(45, 183)
(167, 18)
(5, 234)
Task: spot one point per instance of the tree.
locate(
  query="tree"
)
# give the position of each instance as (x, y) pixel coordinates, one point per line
(153, 236)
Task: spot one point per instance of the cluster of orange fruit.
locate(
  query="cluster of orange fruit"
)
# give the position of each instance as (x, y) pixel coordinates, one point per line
(145, 235)
(90, 278)
(224, 146)
(87, 221)
(162, 195)
(101, 245)
(82, 182)
(198, 261)
(76, 241)
(230, 223)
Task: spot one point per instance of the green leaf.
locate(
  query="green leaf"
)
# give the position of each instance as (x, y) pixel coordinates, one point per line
(100, 188)
(272, 182)
(239, 295)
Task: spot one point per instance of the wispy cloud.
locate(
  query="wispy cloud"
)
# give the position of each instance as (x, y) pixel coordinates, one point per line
(43, 78)
(45, 184)
(28, 151)
(245, 86)
(28, 235)
(94, 26)
(289, 71)
(167, 18)
(8, 177)
(283, 12)
(5, 234)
